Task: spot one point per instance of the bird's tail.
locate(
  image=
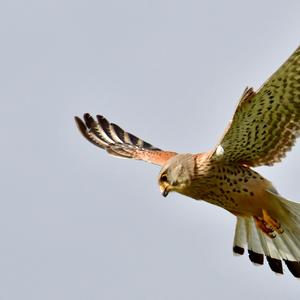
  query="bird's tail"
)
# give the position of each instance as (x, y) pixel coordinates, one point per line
(283, 246)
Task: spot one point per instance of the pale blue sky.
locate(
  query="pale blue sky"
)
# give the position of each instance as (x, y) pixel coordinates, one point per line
(78, 224)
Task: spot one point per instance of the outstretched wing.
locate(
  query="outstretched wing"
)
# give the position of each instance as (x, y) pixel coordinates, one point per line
(118, 142)
(266, 123)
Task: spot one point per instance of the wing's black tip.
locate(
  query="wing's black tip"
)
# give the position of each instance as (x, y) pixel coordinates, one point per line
(86, 115)
(81, 126)
(294, 267)
(238, 250)
(256, 258)
(85, 132)
(119, 132)
(88, 119)
(275, 265)
(100, 118)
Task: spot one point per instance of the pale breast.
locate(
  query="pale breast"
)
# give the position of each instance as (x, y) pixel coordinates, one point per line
(233, 187)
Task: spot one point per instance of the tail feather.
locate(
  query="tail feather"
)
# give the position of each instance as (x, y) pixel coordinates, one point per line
(271, 251)
(240, 236)
(255, 249)
(285, 247)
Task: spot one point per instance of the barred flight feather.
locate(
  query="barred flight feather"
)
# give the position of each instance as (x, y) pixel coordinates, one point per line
(118, 142)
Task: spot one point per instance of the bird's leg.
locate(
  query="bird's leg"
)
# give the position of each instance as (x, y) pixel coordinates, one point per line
(264, 227)
(268, 225)
(272, 222)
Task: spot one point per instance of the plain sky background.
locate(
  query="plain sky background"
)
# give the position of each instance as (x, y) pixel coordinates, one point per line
(76, 223)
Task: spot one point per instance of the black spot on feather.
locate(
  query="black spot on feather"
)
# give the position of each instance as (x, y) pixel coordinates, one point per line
(294, 267)
(238, 250)
(275, 265)
(256, 258)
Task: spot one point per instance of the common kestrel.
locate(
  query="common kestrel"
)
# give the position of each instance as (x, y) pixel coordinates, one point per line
(264, 127)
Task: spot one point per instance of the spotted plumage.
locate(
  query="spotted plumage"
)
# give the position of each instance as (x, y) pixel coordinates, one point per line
(264, 127)
(267, 122)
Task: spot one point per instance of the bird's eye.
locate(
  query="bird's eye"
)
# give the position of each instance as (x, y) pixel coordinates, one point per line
(164, 177)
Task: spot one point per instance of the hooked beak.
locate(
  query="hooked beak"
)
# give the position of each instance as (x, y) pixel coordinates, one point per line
(164, 191)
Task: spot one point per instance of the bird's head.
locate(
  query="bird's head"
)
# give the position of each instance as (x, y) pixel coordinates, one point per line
(176, 174)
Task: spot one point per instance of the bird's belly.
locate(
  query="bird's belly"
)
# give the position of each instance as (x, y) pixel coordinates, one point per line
(241, 204)
(238, 190)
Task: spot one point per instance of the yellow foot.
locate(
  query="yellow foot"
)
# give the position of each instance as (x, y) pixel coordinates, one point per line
(268, 225)
(264, 227)
(272, 222)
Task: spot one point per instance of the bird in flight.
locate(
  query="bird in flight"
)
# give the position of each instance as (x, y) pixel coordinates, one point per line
(264, 127)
